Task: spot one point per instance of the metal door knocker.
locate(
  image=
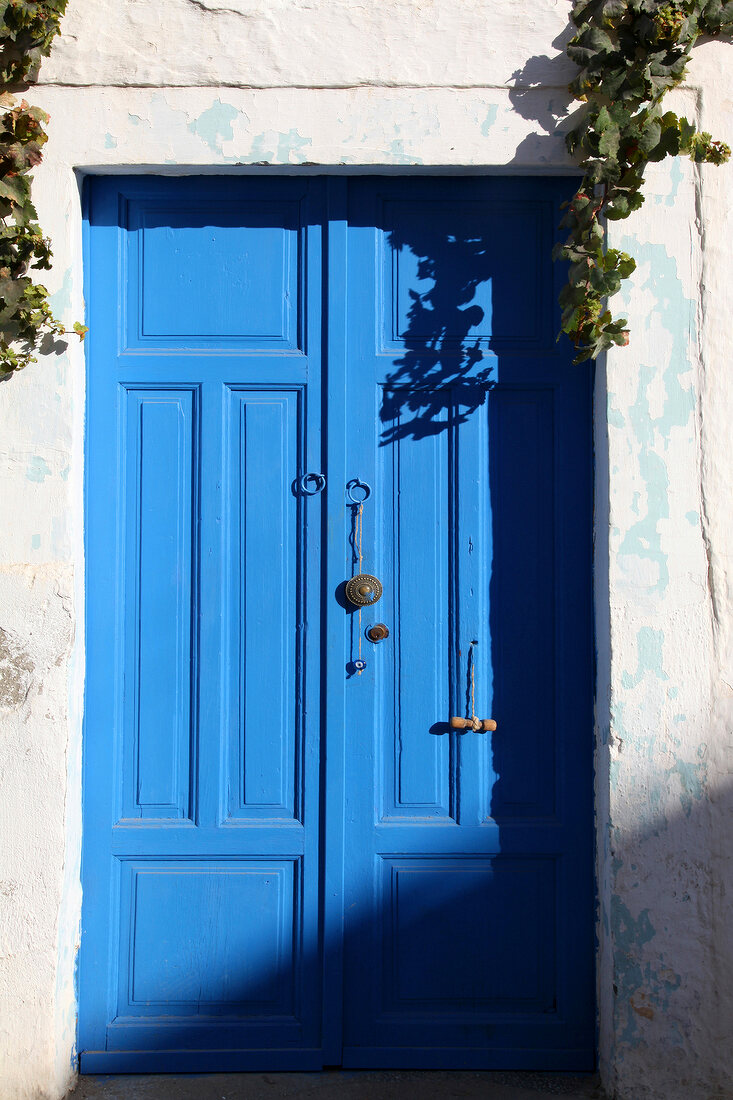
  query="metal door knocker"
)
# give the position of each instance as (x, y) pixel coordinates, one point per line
(363, 590)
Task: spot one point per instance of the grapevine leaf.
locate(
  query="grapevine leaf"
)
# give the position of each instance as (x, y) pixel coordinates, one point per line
(629, 53)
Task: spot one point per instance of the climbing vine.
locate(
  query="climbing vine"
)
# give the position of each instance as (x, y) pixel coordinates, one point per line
(27, 30)
(630, 54)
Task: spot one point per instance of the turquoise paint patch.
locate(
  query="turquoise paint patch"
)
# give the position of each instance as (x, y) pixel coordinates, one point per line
(110, 142)
(692, 518)
(214, 126)
(677, 314)
(615, 417)
(691, 778)
(272, 147)
(35, 542)
(675, 174)
(60, 300)
(37, 469)
(490, 119)
(398, 155)
(679, 718)
(261, 150)
(643, 744)
(649, 644)
(630, 935)
(290, 147)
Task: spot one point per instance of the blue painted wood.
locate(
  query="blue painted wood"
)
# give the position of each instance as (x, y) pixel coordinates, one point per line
(468, 914)
(201, 926)
(285, 864)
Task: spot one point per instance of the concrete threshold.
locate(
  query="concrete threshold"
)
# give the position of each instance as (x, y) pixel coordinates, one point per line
(341, 1085)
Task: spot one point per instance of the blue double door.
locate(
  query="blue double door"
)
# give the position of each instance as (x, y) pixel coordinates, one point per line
(290, 861)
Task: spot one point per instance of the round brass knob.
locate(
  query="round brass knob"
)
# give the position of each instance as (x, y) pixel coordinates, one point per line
(363, 589)
(377, 633)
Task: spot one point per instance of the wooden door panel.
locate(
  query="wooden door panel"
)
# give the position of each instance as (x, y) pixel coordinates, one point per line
(158, 431)
(469, 869)
(263, 612)
(412, 670)
(201, 935)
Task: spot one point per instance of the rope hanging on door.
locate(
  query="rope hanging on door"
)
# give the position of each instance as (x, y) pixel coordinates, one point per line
(359, 530)
(478, 725)
(363, 589)
(472, 663)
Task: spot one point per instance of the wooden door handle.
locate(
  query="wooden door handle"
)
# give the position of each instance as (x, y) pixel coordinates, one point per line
(480, 725)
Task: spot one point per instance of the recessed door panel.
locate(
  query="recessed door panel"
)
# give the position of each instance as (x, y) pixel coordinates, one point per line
(263, 608)
(158, 431)
(199, 276)
(173, 965)
(504, 908)
(413, 484)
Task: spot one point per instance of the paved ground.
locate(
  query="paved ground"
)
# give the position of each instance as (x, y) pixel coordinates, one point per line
(341, 1085)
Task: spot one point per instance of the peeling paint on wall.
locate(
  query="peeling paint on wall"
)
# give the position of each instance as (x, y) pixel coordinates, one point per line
(16, 670)
(490, 119)
(650, 644)
(654, 414)
(214, 126)
(37, 469)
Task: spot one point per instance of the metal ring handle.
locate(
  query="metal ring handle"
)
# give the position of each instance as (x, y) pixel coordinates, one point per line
(320, 480)
(357, 483)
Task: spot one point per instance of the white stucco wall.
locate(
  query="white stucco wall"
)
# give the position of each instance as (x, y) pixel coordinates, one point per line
(226, 84)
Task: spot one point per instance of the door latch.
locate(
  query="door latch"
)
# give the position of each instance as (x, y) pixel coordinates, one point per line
(478, 725)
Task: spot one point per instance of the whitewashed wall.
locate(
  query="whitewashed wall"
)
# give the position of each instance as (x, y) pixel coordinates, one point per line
(200, 85)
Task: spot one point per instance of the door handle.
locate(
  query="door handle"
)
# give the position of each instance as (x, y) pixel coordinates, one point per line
(320, 484)
(479, 725)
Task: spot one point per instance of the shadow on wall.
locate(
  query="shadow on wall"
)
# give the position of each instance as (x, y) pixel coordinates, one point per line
(667, 927)
(540, 95)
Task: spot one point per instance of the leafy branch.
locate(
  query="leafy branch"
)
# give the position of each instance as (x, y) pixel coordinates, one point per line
(630, 54)
(27, 30)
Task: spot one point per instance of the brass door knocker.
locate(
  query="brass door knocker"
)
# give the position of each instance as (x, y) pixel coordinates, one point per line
(363, 590)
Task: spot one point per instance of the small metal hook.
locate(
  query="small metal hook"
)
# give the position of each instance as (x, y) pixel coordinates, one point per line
(357, 483)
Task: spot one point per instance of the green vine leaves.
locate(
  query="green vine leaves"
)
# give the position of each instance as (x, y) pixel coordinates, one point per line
(630, 54)
(27, 30)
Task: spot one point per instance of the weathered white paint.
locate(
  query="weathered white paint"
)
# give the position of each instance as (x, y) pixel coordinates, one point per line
(312, 43)
(225, 85)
